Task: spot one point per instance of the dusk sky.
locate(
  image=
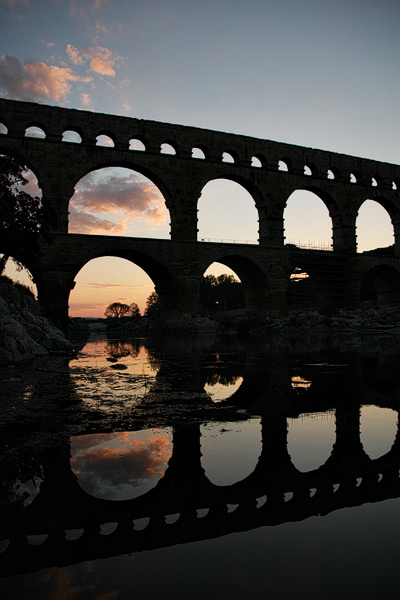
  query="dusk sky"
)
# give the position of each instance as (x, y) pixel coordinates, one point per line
(318, 73)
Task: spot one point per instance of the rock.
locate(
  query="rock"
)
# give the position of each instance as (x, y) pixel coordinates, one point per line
(24, 333)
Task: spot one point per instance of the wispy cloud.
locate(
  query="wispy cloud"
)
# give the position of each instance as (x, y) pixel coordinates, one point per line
(36, 80)
(84, 222)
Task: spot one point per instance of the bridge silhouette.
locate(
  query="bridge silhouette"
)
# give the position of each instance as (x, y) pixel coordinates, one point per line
(176, 266)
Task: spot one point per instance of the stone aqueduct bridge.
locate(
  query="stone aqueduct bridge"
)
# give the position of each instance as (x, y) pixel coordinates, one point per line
(176, 266)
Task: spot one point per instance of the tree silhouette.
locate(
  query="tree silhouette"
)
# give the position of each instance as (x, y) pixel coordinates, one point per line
(117, 310)
(152, 304)
(22, 216)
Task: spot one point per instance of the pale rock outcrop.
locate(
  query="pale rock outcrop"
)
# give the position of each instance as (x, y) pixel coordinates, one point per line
(24, 333)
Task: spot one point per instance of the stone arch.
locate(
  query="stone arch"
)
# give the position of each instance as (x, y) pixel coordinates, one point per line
(72, 135)
(35, 130)
(137, 143)
(313, 227)
(253, 279)
(219, 212)
(131, 170)
(381, 286)
(393, 213)
(230, 156)
(169, 147)
(163, 281)
(259, 160)
(200, 151)
(105, 139)
(310, 169)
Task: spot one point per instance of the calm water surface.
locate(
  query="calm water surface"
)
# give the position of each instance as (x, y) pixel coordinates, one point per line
(203, 468)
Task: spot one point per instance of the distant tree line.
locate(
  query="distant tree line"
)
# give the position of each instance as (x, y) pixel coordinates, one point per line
(219, 293)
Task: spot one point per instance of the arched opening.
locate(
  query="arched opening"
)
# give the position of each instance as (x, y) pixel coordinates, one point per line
(71, 136)
(284, 165)
(307, 221)
(227, 213)
(118, 201)
(104, 140)
(374, 227)
(221, 291)
(310, 169)
(378, 429)
(258, 160)
(123, 465)
(167, 149)
(35, 132)
(235, 284)
(310, 440)
(105, 280)
(136, 144)
(198, 153)
(230, 455)
(227, 157)
(381, 286)
(3, 129)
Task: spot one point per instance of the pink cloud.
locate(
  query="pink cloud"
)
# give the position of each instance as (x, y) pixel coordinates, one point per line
(102, 60)
(74, 55)
(33, 80)
(83, 222)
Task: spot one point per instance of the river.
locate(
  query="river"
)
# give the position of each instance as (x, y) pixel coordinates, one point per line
(203, 467)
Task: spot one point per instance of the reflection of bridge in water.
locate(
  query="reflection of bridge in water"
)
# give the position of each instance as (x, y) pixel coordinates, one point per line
(274, 493)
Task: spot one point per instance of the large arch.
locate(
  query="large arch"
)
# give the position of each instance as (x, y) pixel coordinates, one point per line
(117, 200)
(252, 277)
(164, 284)
(231, 210)
(308, 217)
(376, 219)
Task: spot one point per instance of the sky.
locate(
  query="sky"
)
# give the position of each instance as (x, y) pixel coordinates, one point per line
(317, 73)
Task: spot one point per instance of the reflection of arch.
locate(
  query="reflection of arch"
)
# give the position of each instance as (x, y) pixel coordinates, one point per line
(381, 285)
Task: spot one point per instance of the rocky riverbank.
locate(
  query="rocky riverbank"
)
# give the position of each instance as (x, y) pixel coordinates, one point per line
(24, 333)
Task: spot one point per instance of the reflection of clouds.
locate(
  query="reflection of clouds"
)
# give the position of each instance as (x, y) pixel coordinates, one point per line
(104, 462)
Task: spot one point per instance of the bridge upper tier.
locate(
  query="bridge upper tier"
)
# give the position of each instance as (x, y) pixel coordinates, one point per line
(17, 116)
